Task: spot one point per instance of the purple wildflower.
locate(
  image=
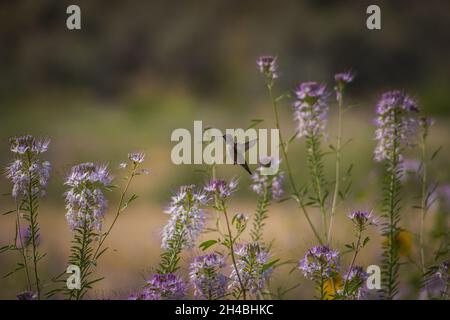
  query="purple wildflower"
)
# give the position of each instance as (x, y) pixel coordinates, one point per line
(355, 282)
(134, 296)
(344, 77)
(356, 274)
(187, 218)
(24, 237)
(221, 188)
(438, 282)
(426, 123)
(273, 184)
(163, 287)
(320, 262)
(28, 143)
(443, 193)
(396, 127)
(240, 221)
(310, 108)
(85, 201)
(28, 171)
(123, 165)
(27, 295)
(411, 165)
(443, 271)
(206, 277)
(136, 157)
(361, 218)
(251, 264)
(267, 65)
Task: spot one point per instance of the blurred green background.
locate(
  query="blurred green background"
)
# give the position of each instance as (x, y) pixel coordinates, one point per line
(139, 69)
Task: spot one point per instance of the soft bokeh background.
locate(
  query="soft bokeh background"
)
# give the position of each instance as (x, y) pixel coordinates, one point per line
(139, 69)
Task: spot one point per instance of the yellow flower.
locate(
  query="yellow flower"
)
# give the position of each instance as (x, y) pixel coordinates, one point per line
(331, 286)
(404, 243)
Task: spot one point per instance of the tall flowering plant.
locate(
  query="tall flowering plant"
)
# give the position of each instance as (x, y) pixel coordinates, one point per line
(207, 276)
(321, 264)
(396, 128)
(311, 110)
(86, 206)
(253, 269)
(29, 175)
(311, 114)
(186, 222)
(268, 188)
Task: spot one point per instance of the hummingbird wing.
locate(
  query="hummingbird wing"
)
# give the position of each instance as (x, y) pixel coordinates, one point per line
(240, 149)
(245, 166)
(231, 147)
(250, 144)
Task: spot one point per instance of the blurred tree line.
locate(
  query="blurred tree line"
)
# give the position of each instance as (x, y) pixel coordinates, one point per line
(209, 47)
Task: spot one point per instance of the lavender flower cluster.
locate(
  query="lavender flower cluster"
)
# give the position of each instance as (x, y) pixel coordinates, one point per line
(162, 287)
(310, 109)
(24, 237)
(320, 262)
(396, 124)
(186, 217)
(342, 79)
(28, 173)
(207, 278)
(273, 184)
(221, 188)
(267, 65)
(85, 199)
(361, 219)
(356, 279)
(251, 262)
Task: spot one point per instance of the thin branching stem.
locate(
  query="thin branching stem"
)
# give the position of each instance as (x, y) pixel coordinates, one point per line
(352, 263)
(32, 210)
(288, 167)
(314, 157)
(233, 258)
(120, 209)
(337, 167)
(424, 202)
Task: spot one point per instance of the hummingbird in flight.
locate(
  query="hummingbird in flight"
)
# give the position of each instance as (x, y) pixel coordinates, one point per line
(233, 151)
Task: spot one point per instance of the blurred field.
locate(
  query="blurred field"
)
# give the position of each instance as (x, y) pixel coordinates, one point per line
(86, 132)
(138, 71)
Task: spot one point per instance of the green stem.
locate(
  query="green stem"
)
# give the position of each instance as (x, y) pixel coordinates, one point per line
(357, 249)
(314, 156)
(233, 258)
(424, 205)
(337, 167)
(288, 167)
(33, 228)
(118, 212)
